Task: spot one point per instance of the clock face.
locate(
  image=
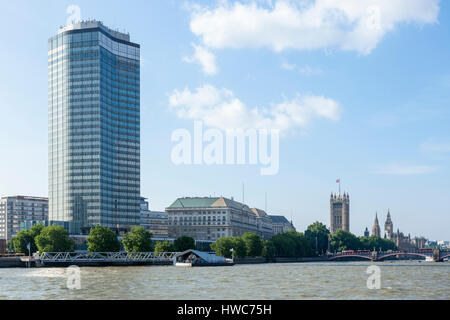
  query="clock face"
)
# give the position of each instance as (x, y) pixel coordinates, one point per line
(388, 228)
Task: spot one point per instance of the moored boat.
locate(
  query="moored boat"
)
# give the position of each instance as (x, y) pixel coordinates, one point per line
(195, 258)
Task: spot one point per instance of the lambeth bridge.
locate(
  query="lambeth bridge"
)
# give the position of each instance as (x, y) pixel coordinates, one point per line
(428, 254)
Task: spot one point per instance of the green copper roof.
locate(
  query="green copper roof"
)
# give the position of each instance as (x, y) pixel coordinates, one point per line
(209, 202)
(197, 202)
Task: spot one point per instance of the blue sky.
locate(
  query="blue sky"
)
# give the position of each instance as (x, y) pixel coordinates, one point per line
(385, 131)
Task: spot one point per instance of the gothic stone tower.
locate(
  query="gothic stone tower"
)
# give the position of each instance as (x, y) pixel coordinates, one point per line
(376, 227)
(389, 227)
(339, 212)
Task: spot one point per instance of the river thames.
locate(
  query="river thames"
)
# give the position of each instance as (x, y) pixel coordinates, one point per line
(326, 280)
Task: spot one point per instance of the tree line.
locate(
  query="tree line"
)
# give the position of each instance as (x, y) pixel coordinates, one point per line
(101, 239)
(316, 240)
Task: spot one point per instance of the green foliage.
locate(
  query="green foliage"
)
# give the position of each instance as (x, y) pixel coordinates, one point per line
(319, 230)
(54, 239)
(292, 244)
(239, 247)
(102, 239)
(184, 243)
(343, 240)
(37, 229)
(223, 246)
(138, 240)
(20, 241)
(377, 243)
(268, 250)
(164, 246)
(10, 246)
(253, 244)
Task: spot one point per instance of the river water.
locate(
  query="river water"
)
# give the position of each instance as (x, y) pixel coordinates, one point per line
(324, 280)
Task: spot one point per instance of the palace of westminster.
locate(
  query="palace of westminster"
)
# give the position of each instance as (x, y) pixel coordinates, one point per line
(340, 219)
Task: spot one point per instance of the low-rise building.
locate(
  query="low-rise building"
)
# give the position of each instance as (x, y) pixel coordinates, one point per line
(155, 222)
(21, 213)
(265, 225)
(280, 224)
(210, 218)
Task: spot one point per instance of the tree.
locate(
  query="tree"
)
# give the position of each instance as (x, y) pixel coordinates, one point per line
(284, 245)
(239, 247)
(320, 231)
(268, 250)
(164, 246)
(20, 241)
(184, 243)
(37, 229)
(138, 240)
(223, 247)
(54, 239)
(292, 244)
(253, 244)
(377, 243)
(102, 239)
(343, 240)
(10, 246)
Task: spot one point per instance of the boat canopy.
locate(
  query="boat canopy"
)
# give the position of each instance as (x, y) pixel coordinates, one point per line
(205, 256)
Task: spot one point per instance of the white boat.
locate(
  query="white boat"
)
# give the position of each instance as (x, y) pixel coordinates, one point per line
(429, 259)
(183, 264)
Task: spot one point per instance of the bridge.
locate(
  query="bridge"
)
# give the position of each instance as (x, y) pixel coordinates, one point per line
(62, 259)
(434, 255)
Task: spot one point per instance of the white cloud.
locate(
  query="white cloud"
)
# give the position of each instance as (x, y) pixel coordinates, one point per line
(357, 25)
(205, 58)
(219, 108)
(396, 169)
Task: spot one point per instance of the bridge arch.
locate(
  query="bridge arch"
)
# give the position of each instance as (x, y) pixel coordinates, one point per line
(447, 256)
(383, 257)
(338, 257)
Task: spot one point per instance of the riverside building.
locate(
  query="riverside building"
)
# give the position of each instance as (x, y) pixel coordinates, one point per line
(21, 213)
(280, 224)
(94, 128)
(210, 218)
(156, 222)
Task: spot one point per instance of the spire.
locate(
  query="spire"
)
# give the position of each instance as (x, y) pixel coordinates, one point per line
(376, 227)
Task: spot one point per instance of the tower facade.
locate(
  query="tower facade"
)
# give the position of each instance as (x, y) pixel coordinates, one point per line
(376, 231)
(339, 212)
(389, 227)
(94, 128)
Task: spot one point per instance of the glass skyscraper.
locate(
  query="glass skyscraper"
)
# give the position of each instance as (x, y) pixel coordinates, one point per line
(94, 128)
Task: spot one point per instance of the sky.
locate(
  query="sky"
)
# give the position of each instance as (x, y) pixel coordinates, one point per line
(359, 90)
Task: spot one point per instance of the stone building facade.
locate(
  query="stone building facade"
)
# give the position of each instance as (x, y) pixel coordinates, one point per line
(339, 212)
(210, 218)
